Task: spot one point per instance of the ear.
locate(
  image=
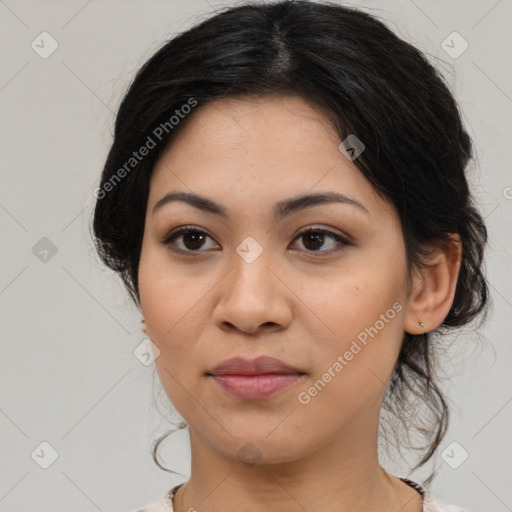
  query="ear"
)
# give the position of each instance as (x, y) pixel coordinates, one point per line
(433, 287)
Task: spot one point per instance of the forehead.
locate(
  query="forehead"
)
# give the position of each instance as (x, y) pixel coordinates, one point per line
(274, 122)
(232, 117)
(271, 147)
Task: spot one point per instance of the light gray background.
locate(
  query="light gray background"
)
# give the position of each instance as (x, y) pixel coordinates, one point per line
(67, 369)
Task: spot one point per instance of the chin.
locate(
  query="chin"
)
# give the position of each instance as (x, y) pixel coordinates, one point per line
(260, 449)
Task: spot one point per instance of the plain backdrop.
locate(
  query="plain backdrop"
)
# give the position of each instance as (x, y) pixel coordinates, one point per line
(73, 395)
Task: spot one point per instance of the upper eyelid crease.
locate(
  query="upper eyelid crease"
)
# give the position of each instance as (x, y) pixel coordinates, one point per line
(281, 209)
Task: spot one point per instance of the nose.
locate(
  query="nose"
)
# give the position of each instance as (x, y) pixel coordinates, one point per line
(253, 297)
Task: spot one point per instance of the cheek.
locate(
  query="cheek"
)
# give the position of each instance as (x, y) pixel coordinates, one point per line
(352, 300)
(358, 318)
(167, 296)
(353, 367)
(175, 317)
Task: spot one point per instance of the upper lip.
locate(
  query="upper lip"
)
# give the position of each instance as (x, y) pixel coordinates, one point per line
(259, 366)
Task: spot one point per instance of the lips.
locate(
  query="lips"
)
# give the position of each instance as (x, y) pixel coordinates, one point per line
(260, 366)
(255, 379)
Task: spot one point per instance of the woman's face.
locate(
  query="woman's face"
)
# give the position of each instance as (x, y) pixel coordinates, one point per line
(250, 284)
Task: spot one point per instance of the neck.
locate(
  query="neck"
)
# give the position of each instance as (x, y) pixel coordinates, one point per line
(342, 476)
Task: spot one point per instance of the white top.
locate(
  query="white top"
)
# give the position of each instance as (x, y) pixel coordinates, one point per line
(430, 502)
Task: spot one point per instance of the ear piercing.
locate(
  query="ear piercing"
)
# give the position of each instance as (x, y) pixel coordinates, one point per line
(421, 324)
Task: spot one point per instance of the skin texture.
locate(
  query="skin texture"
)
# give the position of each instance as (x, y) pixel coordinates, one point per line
(293, 302)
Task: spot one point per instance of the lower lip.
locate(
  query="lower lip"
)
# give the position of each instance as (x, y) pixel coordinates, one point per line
(256, 387)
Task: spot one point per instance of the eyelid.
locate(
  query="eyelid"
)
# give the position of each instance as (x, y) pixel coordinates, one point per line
(342, 240)
(174, 233)
(331, 231)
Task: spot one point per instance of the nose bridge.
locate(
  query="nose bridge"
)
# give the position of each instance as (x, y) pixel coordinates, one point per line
(250, 266)
(251, 295)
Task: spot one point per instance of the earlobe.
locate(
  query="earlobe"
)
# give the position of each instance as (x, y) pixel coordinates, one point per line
(433, 288)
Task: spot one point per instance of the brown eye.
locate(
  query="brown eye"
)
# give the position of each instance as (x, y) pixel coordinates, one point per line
(191, 239)
(315, 238)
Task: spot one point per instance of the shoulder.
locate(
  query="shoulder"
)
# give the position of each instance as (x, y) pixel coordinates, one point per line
(162, 505)
(431, 503)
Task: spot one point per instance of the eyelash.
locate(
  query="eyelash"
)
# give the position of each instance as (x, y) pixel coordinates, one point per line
(170, 237)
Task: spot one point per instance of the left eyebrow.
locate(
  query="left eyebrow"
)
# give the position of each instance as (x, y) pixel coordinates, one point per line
(284, 208)
(281, 209)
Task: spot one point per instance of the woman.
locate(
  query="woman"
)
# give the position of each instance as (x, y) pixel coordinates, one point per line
(285, 200)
